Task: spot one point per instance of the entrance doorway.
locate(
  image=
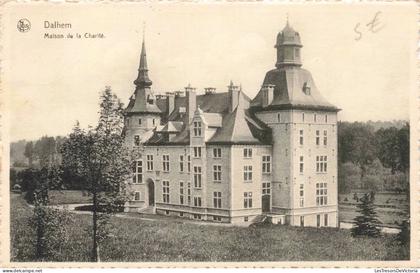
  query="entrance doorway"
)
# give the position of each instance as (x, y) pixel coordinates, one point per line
(266, 203)
(151, 190)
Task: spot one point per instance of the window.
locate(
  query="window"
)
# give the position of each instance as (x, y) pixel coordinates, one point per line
(247, 153)
(318, 220)
(314, 117)
(266, 164)
(302, 221)
(247, 200)
(197, 201)
(197, 216)
(217, 173)
(181, 163)
(136, 140)
(165, 163)
(189, 194)
(217, 152)
(167, 212)
(138, 172)
(301, 196)
(301, 137)
(217, 199)
(153, 122)
(301, 164)
(317, 137)
(321, 194)
(139, 121)
(266, 188)
(297, 53)
(197, 152)
(325, 137)
(189, 163)
(248, 173)
(321, 164)
(181, 193)
(165, 191)
(326, 118)
(217, 218)
(137, 196)
(149, 162)
(303, 117)
(325, 220)
(197, 177)
(278, 117)
(197, 128)
(246, 219)
(181, 214)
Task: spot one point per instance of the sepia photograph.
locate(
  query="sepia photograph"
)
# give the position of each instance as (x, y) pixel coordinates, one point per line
(207, 132)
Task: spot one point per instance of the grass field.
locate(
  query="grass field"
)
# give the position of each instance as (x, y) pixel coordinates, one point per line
(171, 240)
(390, 207)
(68, 197)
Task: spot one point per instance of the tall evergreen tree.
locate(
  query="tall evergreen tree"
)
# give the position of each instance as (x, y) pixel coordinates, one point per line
(367, 223)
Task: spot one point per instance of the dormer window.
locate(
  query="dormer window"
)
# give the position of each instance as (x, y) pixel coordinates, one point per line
(306, 89)
(150, 99)
(197, 128)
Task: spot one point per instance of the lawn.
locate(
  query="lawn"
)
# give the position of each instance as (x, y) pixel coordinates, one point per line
(68, 197)
(138, 240)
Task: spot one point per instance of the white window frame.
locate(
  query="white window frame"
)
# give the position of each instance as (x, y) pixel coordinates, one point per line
(301, 164)
(181, 163)
(217, 199)
(165, 191)
(266, 164)
(137, 140)
(165, 163)
(181, 193)
(149, 162)
(301, 140)
(197, 152)
(321, 163)
(197, 177)
(138, 172)
(217, 152)
(197, 201)
(217, 173)
(266, 188)
(197, 128)
(137, 196)
(301, 195)
(248, 173)
(248, 200)
(247, 152)
(321, 194)
(325, 142)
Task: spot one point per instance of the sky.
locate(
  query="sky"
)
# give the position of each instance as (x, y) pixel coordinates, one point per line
(51, 83)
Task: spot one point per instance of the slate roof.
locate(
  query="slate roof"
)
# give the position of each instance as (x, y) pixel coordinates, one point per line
(289, 91)
(236, 127)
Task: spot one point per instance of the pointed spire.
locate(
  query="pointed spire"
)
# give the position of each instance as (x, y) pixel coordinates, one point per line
(143, 76)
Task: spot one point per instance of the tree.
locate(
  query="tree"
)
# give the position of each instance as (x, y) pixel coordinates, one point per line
(349, 175)
(374, 176)
(367, 223)
(356, 144)
(29, 152)
(101, 158)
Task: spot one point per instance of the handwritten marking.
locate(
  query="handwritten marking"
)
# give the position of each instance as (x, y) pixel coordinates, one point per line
(374, 26)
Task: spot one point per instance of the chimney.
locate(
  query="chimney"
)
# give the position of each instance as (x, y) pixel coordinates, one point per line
(267, 94)
(170, 102)
(191, 103)
(209, 90)
(233, 96)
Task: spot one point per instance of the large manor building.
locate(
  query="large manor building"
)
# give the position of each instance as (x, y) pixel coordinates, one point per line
(222, 156)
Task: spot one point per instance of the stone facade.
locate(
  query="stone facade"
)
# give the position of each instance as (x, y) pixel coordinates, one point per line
(224, 157)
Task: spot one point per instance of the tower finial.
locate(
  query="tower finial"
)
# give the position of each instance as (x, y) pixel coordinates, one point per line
(143, 76)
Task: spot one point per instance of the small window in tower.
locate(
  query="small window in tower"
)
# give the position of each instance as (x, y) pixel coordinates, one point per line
(297, 53)
(139, 121)
(153, 121)
(306, 89)
(150, 99)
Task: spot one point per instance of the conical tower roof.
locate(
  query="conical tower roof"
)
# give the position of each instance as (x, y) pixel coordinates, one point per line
(143, 79)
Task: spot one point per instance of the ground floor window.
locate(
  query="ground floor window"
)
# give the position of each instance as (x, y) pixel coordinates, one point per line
(325, 220)
(217, 218)
(137, 196)
(246, 219)
(318, 220)
(165, 190)
(197, 216)
(302, 221)
(247, 200)
(197, 201)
